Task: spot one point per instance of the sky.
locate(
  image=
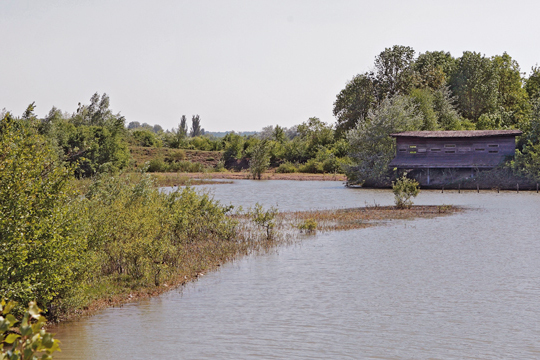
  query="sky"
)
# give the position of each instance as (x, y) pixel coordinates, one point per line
(239, 64)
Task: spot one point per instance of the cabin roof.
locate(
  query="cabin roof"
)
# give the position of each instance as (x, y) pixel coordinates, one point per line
(458, 133)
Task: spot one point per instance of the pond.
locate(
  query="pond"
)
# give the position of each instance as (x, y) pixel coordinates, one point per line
(455, 287)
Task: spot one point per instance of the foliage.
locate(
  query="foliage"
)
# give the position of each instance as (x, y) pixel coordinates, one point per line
(354, 102)
(145, 138)
(195, 126)
(404, 189)
(264, 218)
(372, 148)
(308, 226)
(287, 168)
(260, 159)
(39, 223)
(27, 341)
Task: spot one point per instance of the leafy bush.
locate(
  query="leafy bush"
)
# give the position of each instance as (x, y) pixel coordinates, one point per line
(28, 341)
(308, 225)
(404, 189)
(264, 218)
(287, 168)
(40, 227)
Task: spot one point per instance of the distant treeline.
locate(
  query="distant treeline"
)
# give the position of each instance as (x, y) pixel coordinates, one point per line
(404, 92)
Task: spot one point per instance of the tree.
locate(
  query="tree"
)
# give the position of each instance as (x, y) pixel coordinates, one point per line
(278, 134)
(532, 84)
(424, 100)
(475, 83)
(134, 125)
(315, 133)
(195, 126)
(39, 224)
(260, 159)
(434, 68)
(404, 189)
(183, 128)
(354, 102)
(512, 98)
(372, 148)
(393, 71)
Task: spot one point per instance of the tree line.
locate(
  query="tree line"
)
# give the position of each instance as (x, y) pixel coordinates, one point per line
(435, 91)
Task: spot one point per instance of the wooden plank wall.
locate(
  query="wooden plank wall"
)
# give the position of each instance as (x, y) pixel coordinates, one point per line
(456, 152)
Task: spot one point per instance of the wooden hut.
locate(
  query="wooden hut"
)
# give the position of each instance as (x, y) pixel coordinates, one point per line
(469, 149)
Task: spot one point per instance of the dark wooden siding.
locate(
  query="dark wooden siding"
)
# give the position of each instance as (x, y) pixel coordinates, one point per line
(454, 152)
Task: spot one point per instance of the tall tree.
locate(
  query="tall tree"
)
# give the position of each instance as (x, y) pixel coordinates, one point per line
(475, 82)
(434, 68)
(532, 84)
(195, 126)
(354, 102)
(371, 147)
(512, 96)
(394, 72)
(183, 128)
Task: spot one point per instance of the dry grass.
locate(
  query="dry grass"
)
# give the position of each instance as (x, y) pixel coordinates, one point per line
(358, 218)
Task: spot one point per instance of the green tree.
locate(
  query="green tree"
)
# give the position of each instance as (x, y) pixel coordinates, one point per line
(372, 148)
(404, 190)
(532, 84)
(354, 102)
(475, 83)
(434, 68)
(195, 126)
(394, 71)
(512, 96)
(42, 247)
(424, 100)
(183, 128)
(259, 160)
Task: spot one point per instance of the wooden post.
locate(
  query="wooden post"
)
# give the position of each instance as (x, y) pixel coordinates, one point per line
(517, 187)
(459, 188)
(477, 188)
(537, 188)
(498, 188)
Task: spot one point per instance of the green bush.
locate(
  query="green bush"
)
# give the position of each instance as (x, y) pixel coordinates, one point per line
(308, 226)
(404, 189)
(41, 242)
(26, 338)
(287, 168)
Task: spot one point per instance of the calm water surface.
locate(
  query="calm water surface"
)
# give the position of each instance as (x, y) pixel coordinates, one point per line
(465, 286)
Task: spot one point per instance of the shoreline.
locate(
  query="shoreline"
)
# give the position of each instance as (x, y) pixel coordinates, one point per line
(287, 222)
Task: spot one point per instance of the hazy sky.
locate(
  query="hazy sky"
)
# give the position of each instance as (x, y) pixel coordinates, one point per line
(240, 65)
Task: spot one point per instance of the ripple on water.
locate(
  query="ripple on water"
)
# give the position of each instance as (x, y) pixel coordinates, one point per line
(457, 287)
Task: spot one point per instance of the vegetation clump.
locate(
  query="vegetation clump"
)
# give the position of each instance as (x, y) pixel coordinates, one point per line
(404, 190)
(25, 339)
(309, 226)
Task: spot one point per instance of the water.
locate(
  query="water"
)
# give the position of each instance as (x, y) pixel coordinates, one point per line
(465, 286)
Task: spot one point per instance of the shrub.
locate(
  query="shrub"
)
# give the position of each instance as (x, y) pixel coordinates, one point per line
(404, 189)
(157, 165)
(308, 225)
(177, 155)
(41, 241)
(264, 218)
(28, 341)
(286, 168)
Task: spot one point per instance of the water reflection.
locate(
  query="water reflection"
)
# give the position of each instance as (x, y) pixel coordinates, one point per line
(465, 286)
